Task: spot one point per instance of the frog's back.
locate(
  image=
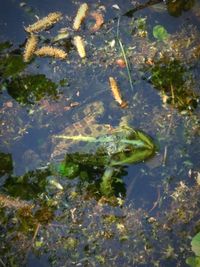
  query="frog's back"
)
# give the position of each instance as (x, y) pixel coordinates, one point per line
(86, 126)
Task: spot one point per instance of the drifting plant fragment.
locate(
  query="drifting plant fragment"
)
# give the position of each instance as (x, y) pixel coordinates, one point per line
(44, 23)
(80, 16)
(6, 201)
(30, 47)
(80, 46)
(99, 20)
(116, 93)
(51, 52)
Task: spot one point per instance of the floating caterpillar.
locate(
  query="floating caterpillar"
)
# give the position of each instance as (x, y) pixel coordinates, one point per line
(51, 52)
(80, 16)
(99, 20)
(44, 23)
(80, 46)
(30, 47)
(116, 93)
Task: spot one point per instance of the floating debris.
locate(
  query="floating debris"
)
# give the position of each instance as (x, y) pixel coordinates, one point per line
(121, 62)
(80, 46)
(62, 34)
(116, 93)
(6, 201)
(44, 23)
(30, 47)
(51, 52)
(99, 21)
(80, 16)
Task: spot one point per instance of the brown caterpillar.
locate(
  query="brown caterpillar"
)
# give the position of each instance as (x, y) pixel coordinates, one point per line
(80, 46)
(44, 23)
(99, 20)
(80, 16)
(116, 93)
(51, 52)
(30, 47)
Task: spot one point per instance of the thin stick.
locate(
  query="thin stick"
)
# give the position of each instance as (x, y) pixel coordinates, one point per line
(164, 156)
(157, 200)
(172, 92)
(124, 56)
(3, 264)
(35, 233)
(141, 6)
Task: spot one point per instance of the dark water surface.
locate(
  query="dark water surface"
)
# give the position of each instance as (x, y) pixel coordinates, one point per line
(76, 225)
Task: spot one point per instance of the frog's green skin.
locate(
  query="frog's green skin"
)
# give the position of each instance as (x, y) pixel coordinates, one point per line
(108, 148)
(124, 146)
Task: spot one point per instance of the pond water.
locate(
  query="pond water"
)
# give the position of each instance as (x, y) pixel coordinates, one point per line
(129, 194)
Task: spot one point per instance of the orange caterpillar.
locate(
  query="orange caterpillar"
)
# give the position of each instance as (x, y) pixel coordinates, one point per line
(80, 16)
(51, 52)
(30, 47)
(116, 93)
(44, 23)
(99, 20)
(80, 46)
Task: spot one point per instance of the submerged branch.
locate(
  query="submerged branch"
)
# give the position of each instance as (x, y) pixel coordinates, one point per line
(141, 6)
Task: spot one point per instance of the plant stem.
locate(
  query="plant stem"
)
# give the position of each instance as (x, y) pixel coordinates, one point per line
(124, 56)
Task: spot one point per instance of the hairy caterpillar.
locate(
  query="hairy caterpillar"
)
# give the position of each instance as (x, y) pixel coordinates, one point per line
(51, 51)
(30, 47)
(116, 92)
(99, 20)
(80, 16)
(80, 46)
(44, 23)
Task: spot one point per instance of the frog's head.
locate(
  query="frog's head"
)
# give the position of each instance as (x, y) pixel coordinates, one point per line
(132, 146)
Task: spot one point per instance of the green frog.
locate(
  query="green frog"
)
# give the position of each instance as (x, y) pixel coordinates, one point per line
(109, 148)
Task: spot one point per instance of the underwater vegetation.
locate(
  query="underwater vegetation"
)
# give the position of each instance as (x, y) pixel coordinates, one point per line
(171, 77)
(11, 65)
(175, 8)
(29, 89)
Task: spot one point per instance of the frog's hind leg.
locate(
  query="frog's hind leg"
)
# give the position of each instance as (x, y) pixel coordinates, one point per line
(106, 187)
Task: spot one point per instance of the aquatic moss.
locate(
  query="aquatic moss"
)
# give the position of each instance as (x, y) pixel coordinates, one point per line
(6, 165)
(11, 65)
(31, 88)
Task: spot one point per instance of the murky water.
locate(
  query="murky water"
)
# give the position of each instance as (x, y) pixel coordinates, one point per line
(73, 223)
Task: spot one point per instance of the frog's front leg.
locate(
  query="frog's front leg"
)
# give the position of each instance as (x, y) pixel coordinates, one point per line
(106, 187)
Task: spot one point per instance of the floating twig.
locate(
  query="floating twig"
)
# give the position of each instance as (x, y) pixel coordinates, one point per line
(116, 92)
(30, 47)
(51, 52)
(80, 16)
(2, 263)
(80, 46)
(44, 23)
